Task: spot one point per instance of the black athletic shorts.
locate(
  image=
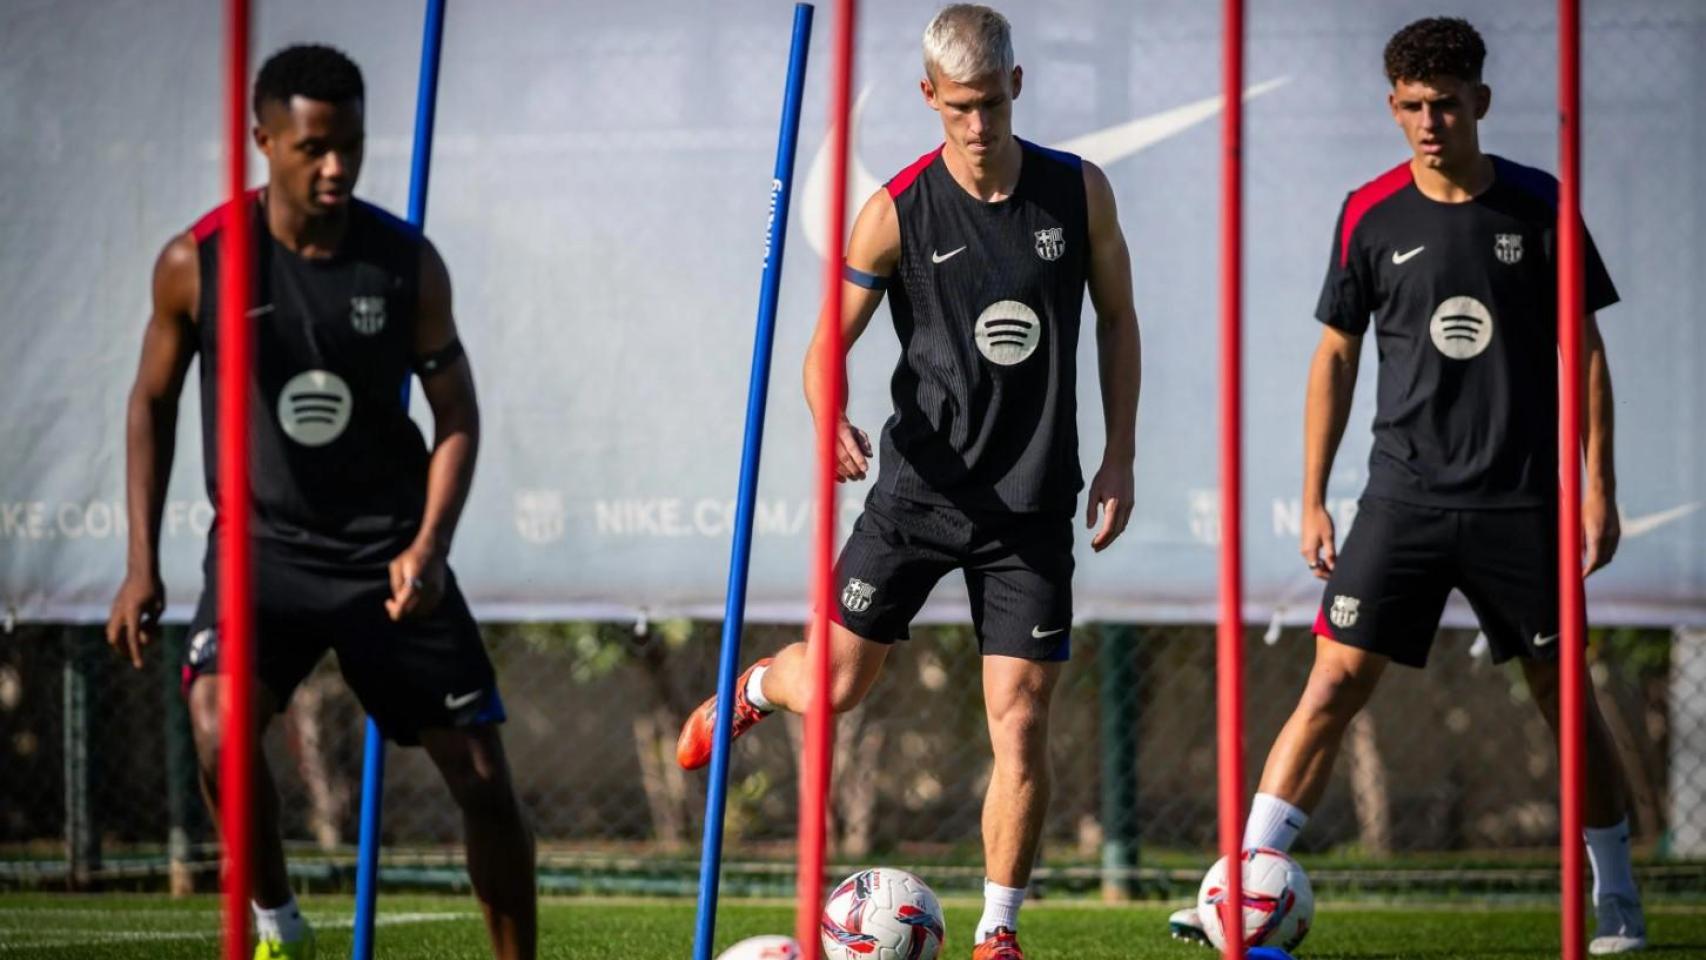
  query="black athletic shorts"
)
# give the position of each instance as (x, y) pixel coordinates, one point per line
(1400, 561)
(419, 674)
(1018, 570)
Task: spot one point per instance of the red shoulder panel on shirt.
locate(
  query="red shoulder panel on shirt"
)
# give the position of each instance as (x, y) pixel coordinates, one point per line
(903, 179)
(1366, 198)
(210, 222)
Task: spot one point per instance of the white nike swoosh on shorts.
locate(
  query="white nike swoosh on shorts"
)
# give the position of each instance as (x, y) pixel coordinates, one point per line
(456, 703)
(1039, 632)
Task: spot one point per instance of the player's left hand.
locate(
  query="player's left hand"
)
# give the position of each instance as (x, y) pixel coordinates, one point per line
(1110, 495)
(417, 583)
(1601, 530)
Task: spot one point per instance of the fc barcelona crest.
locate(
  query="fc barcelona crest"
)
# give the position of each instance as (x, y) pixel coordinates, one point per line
(1344, 612)
(367, 314)
(857, 597)
(1051, 243)
(1508, 247)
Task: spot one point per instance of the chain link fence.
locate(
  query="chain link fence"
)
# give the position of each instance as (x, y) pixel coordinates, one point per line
(1448, 782)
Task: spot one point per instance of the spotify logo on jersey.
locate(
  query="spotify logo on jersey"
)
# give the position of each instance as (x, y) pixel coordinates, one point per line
(1008, 332)
(314, 407)
(1461, 328)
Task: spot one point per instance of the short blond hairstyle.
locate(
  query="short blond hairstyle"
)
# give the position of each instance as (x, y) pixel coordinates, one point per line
(967, 41)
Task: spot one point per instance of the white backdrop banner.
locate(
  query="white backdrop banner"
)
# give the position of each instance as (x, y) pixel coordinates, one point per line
(600, 189)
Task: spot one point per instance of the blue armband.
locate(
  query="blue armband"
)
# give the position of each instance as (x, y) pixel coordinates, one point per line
(869, 281)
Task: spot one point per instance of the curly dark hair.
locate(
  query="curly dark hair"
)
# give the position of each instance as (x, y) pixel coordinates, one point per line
(308, 70)
(1435, 47)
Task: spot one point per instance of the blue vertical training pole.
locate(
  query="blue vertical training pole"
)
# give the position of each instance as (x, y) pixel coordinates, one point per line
(426, 111)
(373, 753)
(734, 609)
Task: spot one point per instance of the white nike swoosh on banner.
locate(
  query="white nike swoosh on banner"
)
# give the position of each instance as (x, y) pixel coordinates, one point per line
(814, 193)
(1641, 526)
(1118, 142)
(1101, 147)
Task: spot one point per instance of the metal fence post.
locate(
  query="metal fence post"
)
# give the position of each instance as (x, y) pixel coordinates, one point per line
(1687, 835)
(1116, 656)
(82, 838)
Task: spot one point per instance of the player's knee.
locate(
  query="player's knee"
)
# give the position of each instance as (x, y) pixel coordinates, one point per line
(1542, 684)
(847, 689)
(1335, 695)
(204, 724)
(484, 796)
(1019, 730)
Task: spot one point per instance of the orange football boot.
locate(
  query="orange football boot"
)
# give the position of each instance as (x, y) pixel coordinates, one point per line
(1003, 944)
(693, 748)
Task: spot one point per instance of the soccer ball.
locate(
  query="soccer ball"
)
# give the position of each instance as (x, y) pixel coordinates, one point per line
(763, 948)
(1279, 905)
(882, 914)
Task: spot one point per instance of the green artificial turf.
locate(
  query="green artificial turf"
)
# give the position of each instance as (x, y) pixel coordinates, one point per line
(50, 927)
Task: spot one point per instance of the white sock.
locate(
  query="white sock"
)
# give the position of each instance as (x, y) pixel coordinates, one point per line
(1000, 909)
(1273, 823)
(283, 922)
(1608, 851)
(755, 690)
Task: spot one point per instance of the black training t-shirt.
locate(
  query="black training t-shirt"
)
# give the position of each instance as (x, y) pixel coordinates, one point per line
(1464, 299)
(337, 468)
(987, 304)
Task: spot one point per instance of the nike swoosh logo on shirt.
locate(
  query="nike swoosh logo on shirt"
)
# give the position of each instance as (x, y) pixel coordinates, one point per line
(944, 257)
(457, 703)
(1101, 147)
(1040, 633)
(1398, 258)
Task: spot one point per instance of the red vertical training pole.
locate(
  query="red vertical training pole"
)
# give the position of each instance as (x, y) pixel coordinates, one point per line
(1229, 654)
(236, 610)
(1571, 604)
(815, 765)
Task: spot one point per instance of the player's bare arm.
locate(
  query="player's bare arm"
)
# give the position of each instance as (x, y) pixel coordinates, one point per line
(1119, 360)
(1332, 382)
(151, 424)
(447, 382)
(1601, 529)
(873, 250)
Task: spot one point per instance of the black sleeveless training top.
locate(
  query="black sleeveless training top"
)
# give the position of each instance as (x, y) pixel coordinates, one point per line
(987, 305)
(337, 467)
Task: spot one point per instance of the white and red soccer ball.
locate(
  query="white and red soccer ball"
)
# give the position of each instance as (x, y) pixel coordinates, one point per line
(882, 914)
(763, 948)
(1279, 905)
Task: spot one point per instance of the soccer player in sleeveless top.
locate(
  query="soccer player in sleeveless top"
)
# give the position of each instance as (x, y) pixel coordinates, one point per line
(985, 246)
(1452, 253)
(353, 515)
